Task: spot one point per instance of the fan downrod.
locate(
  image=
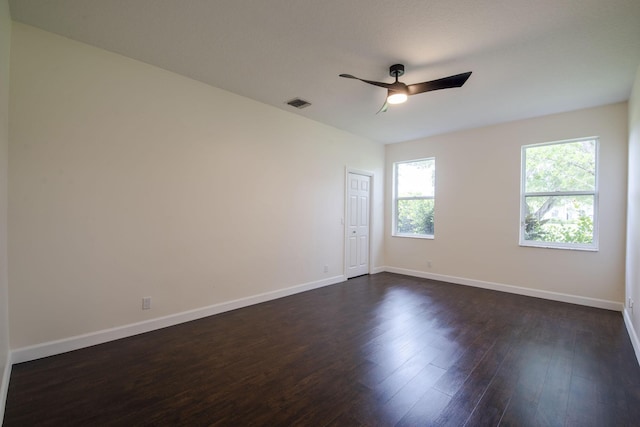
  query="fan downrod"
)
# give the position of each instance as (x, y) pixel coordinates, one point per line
(396, 70)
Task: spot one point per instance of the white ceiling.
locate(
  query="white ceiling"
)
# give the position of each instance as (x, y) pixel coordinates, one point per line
(528, 58)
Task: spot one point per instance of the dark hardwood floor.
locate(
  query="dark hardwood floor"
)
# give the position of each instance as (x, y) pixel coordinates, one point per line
(376, 350)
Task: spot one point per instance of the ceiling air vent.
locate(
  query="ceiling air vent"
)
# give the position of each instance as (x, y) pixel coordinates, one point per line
(298, 103)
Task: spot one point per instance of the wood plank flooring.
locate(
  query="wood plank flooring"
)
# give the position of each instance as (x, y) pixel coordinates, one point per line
(378, 350)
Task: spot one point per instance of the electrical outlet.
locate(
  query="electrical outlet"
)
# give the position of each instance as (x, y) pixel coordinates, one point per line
(146, 303)
(429, 263)
(326, 268)
(630, 303)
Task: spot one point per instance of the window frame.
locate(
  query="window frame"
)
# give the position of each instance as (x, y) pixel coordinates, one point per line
(594, 246)
(396, 199)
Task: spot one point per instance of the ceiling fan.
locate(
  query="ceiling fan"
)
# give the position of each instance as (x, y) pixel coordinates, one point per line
(397, 92)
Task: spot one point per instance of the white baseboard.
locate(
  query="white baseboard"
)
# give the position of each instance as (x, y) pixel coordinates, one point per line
(4, 386)
(51, 348)
(632, 333)
(555, 296)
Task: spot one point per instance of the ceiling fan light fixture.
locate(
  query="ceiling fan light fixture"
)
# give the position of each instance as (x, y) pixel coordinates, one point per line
(398, 92)
(396, 97)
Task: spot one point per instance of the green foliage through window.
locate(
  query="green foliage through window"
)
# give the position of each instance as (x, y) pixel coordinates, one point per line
(414, 197)
(559, 193)
(415, 217)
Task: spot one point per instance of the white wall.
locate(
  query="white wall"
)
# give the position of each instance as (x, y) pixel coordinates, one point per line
(633, 214)
(129, 181)
(477, 207)
(5, 41)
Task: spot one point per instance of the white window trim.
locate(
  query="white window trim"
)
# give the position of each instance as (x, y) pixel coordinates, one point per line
(592, 247)
(394, 207)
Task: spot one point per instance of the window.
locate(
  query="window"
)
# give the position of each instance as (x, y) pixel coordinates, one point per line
(559, 204)
(414, 198)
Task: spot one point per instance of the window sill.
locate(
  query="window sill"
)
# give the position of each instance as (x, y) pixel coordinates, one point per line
(414, 236)
(565, 248)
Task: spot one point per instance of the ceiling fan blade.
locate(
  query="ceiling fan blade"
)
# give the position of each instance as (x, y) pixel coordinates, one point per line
(384, 107)
(443, 83)
(371, 82)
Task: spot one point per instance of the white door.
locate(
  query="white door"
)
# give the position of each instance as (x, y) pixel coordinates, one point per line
(358, 224)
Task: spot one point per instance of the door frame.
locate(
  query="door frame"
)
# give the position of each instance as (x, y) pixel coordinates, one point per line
(345, 248)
